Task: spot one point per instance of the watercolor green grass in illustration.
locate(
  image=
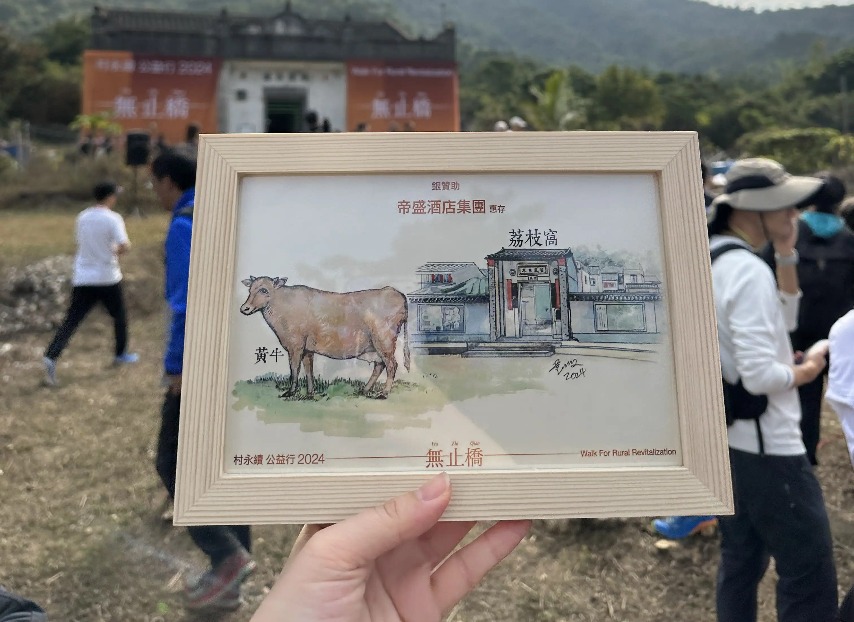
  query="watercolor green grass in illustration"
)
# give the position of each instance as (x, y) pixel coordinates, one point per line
(339, 407)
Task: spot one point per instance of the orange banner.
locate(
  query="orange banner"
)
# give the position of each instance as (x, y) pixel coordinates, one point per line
(403, 96)
(155, 94)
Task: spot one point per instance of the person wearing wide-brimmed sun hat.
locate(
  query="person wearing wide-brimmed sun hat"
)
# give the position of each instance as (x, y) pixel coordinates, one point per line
(779, 507)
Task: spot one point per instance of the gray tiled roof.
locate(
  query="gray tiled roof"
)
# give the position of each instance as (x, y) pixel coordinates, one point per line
(474, 289)
(282, 36)
(158, 21)
(207, 23)
(444, 266)
(526, 254)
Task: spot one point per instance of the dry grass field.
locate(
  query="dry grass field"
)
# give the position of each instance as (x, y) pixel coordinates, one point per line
(80, 532)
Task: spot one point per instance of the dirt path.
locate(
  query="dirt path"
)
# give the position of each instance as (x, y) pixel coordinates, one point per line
(80, 534)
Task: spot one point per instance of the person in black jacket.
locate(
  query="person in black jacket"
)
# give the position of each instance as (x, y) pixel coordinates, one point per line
(826, 274)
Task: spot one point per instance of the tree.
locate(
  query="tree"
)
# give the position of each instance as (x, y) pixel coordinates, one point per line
(625, 99)
(555, 105)
(801, 151)
(65, 40)
(50, 95)
(34, 88)
(99, 122)
(20, 64)
(493, 88)
(826, 80)
(687, 100)
(583, 83)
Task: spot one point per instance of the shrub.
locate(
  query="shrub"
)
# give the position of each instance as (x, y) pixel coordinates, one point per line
(801, 151)
(60, 175)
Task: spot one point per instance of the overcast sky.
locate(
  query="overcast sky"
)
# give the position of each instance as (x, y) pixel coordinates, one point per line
(777, 4)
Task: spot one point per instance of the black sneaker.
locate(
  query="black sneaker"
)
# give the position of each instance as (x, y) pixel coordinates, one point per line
(220, 587)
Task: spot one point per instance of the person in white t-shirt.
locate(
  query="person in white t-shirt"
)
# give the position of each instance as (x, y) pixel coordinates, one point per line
(101, 239)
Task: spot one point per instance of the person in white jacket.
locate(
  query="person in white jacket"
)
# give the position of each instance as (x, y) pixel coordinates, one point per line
(840, 381)
(840, 396)
(779, 507)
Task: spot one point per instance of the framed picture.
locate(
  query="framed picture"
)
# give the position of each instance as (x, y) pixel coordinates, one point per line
(529, 311)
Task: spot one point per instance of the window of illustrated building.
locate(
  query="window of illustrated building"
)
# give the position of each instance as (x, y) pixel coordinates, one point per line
(440, 318)
(619, 317)
(240, 95)
(441, 278)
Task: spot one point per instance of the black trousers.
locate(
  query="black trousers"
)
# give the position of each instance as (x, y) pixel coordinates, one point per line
(14, 608)
(811, 395)
(216, 541)
(83, 298)
(779, 513)
(846, 609)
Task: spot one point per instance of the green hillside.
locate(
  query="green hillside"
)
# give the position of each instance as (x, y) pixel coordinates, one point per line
(673, 35)
(676, 35)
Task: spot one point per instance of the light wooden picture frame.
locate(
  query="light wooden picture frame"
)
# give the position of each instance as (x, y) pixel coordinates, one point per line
(529, 311)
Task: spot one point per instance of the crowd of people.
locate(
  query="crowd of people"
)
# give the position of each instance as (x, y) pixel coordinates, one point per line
(782, 261)
(782, 265)
(397, 559)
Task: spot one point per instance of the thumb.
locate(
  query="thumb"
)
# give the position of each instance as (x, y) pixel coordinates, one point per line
(375, 531)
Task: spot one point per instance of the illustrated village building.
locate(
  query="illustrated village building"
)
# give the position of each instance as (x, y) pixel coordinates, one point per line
(451, 309)
(159, 71)
(530, 301)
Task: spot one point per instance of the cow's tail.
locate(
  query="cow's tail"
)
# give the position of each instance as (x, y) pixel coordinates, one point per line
(406, 344)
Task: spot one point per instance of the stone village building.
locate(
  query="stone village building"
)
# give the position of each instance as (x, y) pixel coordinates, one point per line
(271, 69)
(530, 301)
(450, 311)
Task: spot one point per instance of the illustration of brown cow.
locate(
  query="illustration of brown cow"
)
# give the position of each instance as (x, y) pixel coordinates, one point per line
(363, 325)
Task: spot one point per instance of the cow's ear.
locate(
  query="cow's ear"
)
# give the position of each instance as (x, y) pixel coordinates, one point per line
(280, 281)
(248, 282)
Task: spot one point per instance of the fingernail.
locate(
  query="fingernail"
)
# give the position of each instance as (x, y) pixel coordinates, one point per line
(435, 487)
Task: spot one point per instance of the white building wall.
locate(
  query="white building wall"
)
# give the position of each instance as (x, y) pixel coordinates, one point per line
(324, 85)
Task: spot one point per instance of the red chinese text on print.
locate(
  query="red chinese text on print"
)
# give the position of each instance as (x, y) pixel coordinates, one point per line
(454, 456)
(423, 207)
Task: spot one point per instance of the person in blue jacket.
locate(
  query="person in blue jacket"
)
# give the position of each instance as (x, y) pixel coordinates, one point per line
(227, 547)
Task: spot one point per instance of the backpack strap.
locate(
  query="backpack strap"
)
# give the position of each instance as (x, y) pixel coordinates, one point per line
(714, 254)
(725, 248)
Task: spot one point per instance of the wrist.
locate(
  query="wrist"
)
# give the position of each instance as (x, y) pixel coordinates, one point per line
(786, 257)
(806, 372)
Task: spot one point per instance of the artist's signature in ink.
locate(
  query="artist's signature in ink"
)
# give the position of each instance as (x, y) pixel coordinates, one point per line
(571, 369)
